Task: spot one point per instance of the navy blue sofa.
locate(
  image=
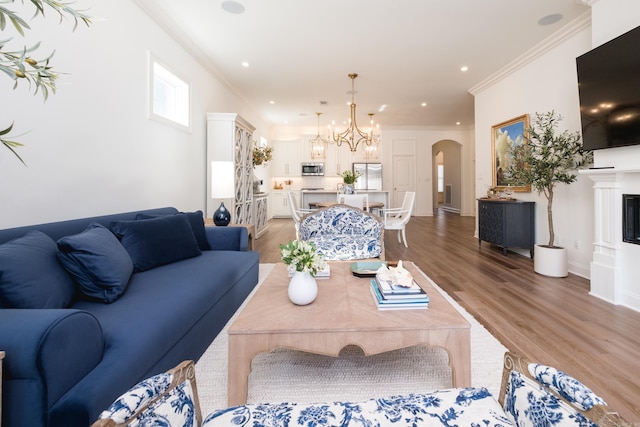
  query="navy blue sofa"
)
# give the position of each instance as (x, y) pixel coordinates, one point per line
(65, 365)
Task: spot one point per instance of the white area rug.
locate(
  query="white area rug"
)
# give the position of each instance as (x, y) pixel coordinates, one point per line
(293, 376)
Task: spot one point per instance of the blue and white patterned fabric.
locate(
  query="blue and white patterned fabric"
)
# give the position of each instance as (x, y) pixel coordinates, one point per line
(343, 233)
(567, 386)
(472, 407)
(136, 397)
(528, 404)
(174, 408)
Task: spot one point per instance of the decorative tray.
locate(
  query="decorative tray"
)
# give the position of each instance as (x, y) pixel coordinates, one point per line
(366, 268)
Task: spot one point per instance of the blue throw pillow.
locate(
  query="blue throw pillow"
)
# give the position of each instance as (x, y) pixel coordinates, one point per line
(98, 262)
(196, 220)
(156, 241)
(31, 276)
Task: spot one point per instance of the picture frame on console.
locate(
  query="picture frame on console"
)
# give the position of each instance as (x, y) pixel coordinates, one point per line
(505, 136)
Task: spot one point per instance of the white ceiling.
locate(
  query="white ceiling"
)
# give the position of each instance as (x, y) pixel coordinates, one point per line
(405, 52)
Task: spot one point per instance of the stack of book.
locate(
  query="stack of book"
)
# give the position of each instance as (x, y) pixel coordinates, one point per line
(389, 296)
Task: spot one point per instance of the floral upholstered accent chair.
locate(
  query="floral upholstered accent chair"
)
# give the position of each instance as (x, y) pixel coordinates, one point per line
(342, 233)
(164, 400)
(468, 407)
(535, 395)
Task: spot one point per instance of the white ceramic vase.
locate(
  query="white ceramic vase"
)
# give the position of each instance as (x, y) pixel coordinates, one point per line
(303, 288)
(552, 262)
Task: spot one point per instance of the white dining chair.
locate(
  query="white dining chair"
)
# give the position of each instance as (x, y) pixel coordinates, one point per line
(296, 212)
(360, 201)
(397, 218)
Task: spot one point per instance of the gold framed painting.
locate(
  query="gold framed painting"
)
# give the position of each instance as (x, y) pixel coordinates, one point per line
(504, 137)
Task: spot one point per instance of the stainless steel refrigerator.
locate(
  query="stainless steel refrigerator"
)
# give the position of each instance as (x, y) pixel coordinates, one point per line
(370, 176)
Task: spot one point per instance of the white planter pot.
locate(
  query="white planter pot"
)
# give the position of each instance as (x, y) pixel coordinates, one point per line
(553, 262)
(303, 288)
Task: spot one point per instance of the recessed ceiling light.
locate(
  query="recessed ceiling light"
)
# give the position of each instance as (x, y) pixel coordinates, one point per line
(272, 102)
(464, 68)
(245, 64)
(457, 123)
(232, 6)
(424, 104)
(550, 19)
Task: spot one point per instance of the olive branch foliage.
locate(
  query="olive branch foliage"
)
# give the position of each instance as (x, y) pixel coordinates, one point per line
(20, 65)
(548, 158)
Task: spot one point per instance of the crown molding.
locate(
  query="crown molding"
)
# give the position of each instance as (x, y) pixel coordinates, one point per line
(580, 23)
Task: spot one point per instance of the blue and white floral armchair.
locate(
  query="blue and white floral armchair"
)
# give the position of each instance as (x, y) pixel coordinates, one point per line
(342, 233)
(531, 395)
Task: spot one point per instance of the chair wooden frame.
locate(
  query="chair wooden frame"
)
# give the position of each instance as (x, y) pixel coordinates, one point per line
(185, 371)
(599, 414)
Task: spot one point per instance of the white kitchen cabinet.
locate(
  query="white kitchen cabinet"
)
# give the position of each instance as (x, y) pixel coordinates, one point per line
(287, 156)
(279, 205)
(338, 160)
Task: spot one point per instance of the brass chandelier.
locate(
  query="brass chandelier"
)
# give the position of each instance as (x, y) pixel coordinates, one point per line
(318, 144)
(353, 136)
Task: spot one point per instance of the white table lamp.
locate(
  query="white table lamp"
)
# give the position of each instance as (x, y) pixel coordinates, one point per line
(222, 174)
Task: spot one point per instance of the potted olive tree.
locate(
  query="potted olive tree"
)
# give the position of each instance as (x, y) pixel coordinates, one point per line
(546, 159)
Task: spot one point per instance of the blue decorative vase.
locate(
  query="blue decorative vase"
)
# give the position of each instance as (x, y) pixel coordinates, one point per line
(348, 189)
(222, 216)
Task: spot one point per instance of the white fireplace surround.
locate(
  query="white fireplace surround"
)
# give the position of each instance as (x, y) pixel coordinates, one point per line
(615, 264)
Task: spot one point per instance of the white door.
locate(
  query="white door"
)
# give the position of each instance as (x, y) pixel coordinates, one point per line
(404, 177)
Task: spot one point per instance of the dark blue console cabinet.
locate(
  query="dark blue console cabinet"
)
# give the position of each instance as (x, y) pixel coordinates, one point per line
(507, 223)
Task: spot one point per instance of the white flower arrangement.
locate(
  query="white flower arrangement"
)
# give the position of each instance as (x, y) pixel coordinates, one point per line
(300, 255)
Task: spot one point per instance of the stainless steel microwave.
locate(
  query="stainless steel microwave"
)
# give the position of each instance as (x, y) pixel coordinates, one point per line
(312, 169)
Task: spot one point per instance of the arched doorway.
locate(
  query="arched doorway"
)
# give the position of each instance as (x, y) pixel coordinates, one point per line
(447, 176)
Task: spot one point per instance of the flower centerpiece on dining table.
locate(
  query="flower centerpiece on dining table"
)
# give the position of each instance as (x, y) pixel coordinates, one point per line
(349, 178)
(303, 262)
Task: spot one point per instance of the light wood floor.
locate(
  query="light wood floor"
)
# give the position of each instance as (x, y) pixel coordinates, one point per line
(549, 320)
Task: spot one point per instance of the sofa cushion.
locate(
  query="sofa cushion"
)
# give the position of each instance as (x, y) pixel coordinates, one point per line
(157, 241)
(196, 220)
(31, 276)
(98, 262)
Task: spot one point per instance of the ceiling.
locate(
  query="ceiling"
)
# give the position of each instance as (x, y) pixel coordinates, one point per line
(405, 52)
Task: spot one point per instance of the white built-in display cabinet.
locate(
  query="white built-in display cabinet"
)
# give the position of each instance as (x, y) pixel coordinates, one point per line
(229, 138)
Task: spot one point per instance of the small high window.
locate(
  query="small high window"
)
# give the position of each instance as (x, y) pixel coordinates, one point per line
(170, 96)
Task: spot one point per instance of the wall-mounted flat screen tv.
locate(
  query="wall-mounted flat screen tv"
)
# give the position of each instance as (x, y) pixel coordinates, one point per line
(609, 87)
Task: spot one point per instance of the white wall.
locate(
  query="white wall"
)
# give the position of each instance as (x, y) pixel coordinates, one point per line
(425, 139)
(542, 83)
(90, 149)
